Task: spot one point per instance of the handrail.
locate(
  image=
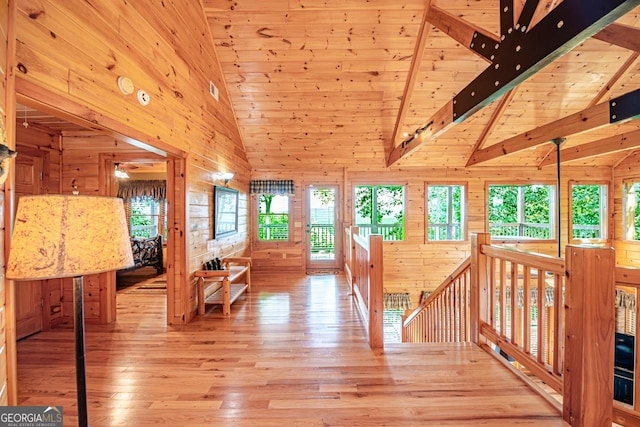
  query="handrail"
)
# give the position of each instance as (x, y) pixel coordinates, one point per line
(448, 281)
(420, 326)
(540, 261)
(551, 316)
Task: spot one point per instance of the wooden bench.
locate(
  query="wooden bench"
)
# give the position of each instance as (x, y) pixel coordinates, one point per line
(231, 282)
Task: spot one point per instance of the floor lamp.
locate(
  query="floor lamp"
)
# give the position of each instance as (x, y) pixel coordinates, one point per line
(58, 236)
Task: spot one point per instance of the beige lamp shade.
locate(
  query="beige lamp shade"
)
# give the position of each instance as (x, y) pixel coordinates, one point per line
(67, 236)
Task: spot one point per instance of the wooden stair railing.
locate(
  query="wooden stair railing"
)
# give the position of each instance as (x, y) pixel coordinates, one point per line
(553, 317)
(444, 315)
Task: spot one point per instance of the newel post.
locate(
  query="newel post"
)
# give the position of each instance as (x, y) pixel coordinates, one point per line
(589, 335)
(479, 295)
(376, 292)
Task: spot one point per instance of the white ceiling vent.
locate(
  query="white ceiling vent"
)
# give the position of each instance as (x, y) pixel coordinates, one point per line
(213, 90)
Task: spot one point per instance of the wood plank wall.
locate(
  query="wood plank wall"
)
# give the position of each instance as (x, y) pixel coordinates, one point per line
(200, 242)
(627, 252)
(7, 357)
(71, 53)
(38, 142)
(415, 265)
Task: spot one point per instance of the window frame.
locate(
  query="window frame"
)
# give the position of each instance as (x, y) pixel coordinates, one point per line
(553, 212)
(385, 183)
(605, 227)
(625, 213)
(464, 220)
(161, 216)
(255, 209)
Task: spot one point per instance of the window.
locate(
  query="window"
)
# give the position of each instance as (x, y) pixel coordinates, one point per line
(148, 218)
(379, 209)
(273, 217)
(445, 212)
(588, 211)
(632, 210)
(522, 211)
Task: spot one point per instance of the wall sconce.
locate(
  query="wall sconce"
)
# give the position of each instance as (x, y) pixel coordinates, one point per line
(120, 173)
(223, 176)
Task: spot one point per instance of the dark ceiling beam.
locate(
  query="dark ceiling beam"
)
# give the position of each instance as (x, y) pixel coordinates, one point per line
(518, 56)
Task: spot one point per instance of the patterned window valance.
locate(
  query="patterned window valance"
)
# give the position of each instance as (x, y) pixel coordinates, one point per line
(280, 187)
(156, 189)
(397, 301)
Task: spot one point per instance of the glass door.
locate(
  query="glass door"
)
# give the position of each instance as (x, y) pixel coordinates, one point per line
(323, 236)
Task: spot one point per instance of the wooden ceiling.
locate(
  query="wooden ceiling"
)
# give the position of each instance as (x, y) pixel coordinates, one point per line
(340, 83)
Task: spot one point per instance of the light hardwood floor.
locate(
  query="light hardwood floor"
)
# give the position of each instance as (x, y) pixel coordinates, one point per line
(293, 353)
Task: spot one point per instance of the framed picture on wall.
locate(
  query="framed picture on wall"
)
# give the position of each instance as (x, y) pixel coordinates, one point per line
(225, 211)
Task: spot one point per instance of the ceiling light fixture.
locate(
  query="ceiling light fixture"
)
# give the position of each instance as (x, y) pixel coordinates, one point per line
(119, 173)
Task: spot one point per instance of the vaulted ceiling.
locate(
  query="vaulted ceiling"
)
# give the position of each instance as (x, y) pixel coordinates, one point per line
(346, 83)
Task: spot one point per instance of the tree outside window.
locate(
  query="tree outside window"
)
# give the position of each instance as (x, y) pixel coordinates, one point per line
(148, 218)
(588, 211)
(273, 217)
(631, 210)
(379, 209)
(445, 212)
(521, 211)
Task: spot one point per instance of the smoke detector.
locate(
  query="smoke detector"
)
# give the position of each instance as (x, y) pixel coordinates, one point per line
(125, 85)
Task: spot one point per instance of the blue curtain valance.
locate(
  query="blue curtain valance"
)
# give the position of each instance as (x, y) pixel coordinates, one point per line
(271, 186)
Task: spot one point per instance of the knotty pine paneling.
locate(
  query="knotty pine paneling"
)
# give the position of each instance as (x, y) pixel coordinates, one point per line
(163, 47)
(415, 265)
(8, 368)
(36, 141)
(166, 49)
(627, 251)
(201, 244)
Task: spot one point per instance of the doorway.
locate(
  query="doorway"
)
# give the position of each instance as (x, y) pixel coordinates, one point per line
(323, 238)
(29, 305)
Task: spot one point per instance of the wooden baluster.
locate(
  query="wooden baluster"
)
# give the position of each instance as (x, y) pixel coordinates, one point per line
(503, 299)
(514, 304)
(542, 319)
(526, 308)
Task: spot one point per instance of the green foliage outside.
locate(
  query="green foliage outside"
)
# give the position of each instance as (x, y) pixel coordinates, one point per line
(632, 203)
(520, 211)
(143, 212)
(381, 208)
(322, 231)
(271, 226)
(586, 202)
(442, 223)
